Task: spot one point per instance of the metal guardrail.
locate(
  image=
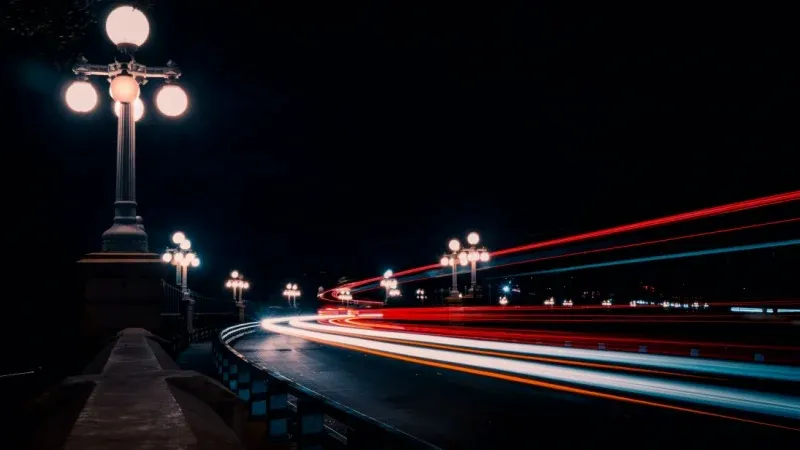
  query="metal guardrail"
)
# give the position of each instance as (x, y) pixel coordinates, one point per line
(291, 412)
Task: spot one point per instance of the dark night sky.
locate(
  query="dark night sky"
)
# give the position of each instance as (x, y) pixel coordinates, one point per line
(351, 138)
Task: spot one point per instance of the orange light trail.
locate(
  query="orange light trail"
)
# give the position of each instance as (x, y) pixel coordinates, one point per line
(548, 385)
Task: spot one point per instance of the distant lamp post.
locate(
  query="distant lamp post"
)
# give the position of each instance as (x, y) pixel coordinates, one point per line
(345, 296)
(464, 257)
(128, 28)
(503, 301)
(292, 292)
(182, 258)
(389, 284)
(238, 285)
(421, 295)
(474, 255)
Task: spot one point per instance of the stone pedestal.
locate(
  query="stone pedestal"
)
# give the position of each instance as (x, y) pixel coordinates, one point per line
(122, 290)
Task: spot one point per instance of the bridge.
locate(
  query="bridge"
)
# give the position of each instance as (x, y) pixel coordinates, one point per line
(415, 358)
(367, 373)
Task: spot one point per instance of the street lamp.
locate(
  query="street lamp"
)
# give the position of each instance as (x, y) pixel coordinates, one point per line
(390, 285)
(182, 258)
(474, 255)
(291, 292)
(469, 256)
(345, 295)
(128, 28)
(421, 295)
(237, 285)
(503, 301)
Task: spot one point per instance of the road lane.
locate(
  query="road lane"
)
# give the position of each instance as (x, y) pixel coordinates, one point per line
(458, 410)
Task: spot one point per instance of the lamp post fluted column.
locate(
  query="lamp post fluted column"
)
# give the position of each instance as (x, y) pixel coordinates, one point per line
(126, 233)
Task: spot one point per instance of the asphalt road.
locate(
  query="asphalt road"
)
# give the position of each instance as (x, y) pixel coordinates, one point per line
(456, 410)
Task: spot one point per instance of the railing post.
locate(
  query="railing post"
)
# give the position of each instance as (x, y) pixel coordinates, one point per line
(189, 314)
(311, 424)
(233, 376)
(277, 410)
(244, 381)
(225, 376)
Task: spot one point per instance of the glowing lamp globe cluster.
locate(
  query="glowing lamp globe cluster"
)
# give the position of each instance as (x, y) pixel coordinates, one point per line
(128, 28)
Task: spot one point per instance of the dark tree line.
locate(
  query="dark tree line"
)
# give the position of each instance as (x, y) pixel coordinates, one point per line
(54, 29)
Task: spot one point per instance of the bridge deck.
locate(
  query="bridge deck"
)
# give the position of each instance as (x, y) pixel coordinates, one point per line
(457, 410)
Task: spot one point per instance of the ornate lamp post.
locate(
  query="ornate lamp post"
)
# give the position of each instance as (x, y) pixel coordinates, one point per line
(390, 285)
(292, 292)
(128, 29)
(182, 258)
(345, 296)
(464, 257)
(421, 295)
(237, 284)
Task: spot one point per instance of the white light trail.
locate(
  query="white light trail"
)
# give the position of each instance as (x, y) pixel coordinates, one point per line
(697, 365)
(743, 400)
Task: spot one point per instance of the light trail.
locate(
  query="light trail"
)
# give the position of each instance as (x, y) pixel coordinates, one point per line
(548, 360)
(697, 365)
(588, 252)
(709, 349)
(676, 218)
(738, 399)
(715, 251)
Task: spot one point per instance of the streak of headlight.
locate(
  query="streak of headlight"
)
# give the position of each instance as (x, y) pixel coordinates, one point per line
(525, 259)
(698, 365)
(693, 215)
(715, 251)
(755, 402)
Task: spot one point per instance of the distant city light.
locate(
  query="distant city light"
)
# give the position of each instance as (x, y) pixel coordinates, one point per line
(506, 288)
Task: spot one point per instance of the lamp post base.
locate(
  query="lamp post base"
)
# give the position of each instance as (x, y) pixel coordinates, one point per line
(123, 237)
(122, 290)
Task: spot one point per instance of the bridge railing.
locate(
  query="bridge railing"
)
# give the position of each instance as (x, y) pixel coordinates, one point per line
(209, 316)
(290, 412)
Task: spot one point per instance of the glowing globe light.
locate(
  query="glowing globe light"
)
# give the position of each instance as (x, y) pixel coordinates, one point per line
(388, 273)
(171, 100)
(185, 244)
(178, 237)
(127, 25)
(454, 245)
(445, 261)
(81, 96)
(235, 274)
(166, 257)
(138, 109)
(473, 238)
(178, 257)
(289, 286)
(485, 256)
(195, 262)
(124, 89)
(246, 285)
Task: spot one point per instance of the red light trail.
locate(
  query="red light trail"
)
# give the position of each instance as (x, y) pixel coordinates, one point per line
(683, 217)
